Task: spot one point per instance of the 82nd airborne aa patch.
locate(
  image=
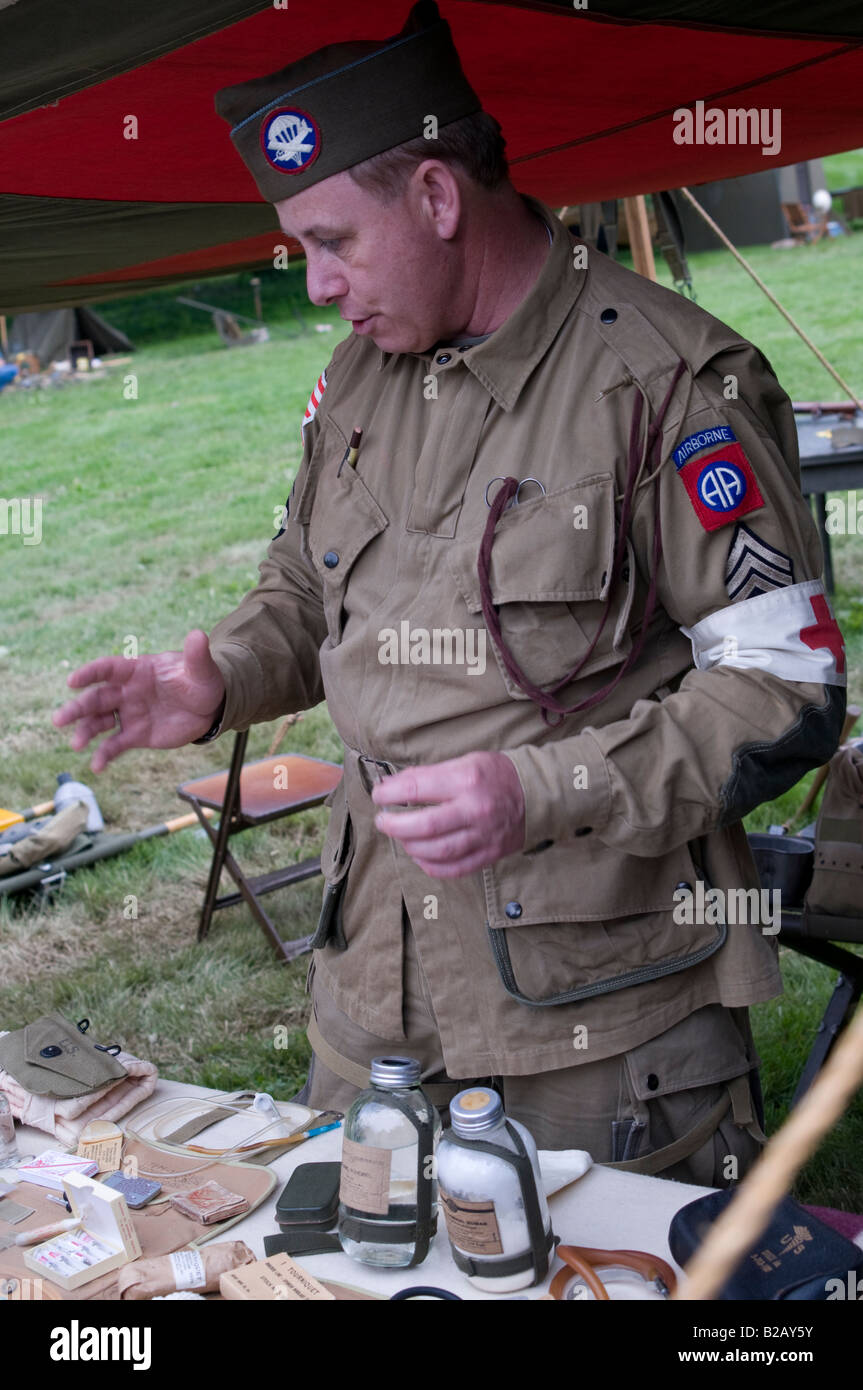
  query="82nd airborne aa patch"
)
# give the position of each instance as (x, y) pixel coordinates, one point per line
(716, 434)
(721, 486)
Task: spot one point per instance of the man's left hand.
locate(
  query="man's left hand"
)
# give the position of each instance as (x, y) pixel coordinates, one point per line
(472, 813)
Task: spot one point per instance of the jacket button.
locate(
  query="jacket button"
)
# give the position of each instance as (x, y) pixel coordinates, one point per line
(331, 559)
(444, 358)
(683, 888)
(653, 1082)
(608, 316)
(513, 910)
(51, 1052)
(584, 830)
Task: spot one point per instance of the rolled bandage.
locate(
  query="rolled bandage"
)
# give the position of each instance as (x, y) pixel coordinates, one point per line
(198, 1270)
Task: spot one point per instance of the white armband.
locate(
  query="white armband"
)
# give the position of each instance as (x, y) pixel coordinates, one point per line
(789, 632)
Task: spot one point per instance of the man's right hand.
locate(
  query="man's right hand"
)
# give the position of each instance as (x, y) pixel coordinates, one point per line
(162, 701)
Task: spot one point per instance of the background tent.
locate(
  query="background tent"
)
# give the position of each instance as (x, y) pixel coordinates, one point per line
(586, 97)
(49, 334)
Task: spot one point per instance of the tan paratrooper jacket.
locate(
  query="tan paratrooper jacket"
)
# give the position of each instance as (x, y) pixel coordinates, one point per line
(370, 599)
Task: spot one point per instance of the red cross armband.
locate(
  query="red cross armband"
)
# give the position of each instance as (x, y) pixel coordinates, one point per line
(790, 632)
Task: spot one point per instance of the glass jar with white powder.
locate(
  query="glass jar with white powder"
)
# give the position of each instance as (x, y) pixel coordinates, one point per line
(491, 1195)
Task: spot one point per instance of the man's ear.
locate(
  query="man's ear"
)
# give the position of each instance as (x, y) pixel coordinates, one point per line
(438, 196)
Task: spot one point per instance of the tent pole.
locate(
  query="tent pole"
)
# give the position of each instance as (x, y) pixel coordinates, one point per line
(4, 341)
(772, 297)
(635, 212)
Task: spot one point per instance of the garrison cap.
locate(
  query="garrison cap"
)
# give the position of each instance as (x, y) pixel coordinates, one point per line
(345, 103)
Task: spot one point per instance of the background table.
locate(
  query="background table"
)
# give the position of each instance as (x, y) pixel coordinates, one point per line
(824, 468)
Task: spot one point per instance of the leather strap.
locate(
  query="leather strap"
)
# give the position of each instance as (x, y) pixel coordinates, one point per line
(547, 699)
(742, 1107)
(440, 1093)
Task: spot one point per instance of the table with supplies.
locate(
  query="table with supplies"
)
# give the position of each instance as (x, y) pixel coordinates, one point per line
(590, 1205)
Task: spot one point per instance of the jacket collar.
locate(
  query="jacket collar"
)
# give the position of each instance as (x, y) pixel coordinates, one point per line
(510, 354)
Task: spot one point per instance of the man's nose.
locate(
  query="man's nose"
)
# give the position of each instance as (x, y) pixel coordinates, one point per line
(324, 282)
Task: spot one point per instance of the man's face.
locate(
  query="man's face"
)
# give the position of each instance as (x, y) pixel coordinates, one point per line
(384, 265)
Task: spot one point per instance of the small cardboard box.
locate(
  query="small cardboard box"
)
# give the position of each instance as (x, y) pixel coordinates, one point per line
(275, 1278)
(104, 1216)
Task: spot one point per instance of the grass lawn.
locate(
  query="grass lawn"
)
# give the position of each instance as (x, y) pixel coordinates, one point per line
(156, 511)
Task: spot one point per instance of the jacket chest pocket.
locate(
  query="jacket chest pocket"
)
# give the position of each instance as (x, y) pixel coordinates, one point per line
(549, 578)
(339, 521)
(582, 919)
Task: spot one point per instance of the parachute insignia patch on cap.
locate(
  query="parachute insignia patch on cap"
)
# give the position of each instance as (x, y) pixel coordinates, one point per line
(290, 140)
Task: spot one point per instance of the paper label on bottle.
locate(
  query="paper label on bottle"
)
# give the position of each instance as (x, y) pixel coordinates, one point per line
(472, 1226)
(365, 1180)
(188, 1268)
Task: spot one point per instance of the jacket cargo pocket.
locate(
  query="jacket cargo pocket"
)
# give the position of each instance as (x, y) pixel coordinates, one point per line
(342, 518)
(549, 577)
(690, 1102)
(336, 856)
(580, 920)
(702, 1050)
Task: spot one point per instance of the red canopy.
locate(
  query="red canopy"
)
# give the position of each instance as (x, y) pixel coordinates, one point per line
(586, 98)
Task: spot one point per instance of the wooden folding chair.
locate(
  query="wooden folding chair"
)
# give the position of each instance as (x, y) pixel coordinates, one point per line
(800, 225)
(246, 796)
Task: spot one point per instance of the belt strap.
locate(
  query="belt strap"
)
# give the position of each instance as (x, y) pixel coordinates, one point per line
(439, 1093)
(742, 1107)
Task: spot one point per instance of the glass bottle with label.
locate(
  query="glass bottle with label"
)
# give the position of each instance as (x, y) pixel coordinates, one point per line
(8, 1142)
(492, 1196)
(388, 1190)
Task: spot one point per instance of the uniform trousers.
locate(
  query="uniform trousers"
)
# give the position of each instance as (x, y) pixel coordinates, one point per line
(637, 1110)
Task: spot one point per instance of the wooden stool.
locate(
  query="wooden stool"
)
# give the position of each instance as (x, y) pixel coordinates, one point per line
(250, 796)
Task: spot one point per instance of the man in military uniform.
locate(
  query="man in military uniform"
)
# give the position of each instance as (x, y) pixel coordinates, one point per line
(547, 560)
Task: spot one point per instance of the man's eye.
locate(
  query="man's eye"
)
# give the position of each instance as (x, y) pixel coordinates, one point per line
(329, 245)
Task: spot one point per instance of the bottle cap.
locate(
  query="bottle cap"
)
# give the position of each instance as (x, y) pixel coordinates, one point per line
(475, 1111)
(391, 1073)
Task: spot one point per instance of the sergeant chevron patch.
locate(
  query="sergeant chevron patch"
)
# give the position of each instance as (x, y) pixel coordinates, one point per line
(753, 567)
